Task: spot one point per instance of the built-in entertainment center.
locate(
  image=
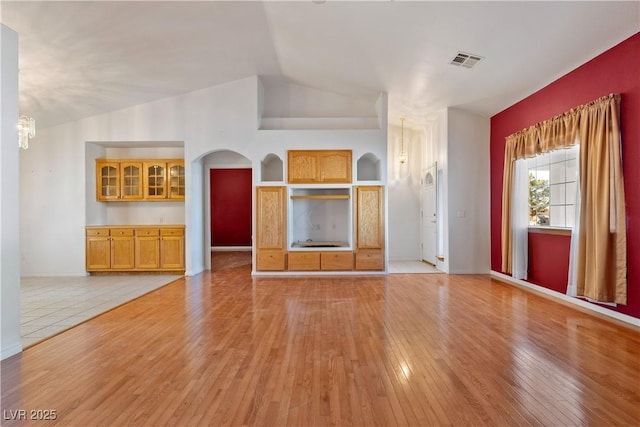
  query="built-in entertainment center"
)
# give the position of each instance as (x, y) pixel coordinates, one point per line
(320, 220)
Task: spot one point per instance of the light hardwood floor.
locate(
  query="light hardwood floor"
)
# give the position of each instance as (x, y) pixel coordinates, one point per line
(50, 305)
(223, 348)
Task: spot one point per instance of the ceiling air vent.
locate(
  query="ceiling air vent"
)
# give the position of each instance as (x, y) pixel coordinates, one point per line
(467, 60)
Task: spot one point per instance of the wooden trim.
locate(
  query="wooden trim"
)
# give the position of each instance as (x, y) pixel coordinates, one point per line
(551, 230)
(322, 196)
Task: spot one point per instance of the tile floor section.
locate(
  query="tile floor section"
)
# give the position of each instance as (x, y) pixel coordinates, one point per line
(417, 267)
(50, 305)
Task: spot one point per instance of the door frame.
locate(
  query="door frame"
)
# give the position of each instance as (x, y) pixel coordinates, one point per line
(423, 219)
(207, 204)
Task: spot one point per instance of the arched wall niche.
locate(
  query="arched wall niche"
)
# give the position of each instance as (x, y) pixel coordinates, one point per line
(271, 168)
(368, 168)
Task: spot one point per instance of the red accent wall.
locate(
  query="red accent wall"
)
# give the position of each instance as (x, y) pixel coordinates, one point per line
(230, 207)
(549, 260)
(614, 71)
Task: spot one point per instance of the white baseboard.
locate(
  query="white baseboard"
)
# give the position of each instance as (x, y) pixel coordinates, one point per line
(39, 275)
(581, 304)
(230, 248)
(11, 350)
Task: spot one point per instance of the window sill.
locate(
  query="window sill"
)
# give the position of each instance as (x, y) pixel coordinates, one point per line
(560, 231)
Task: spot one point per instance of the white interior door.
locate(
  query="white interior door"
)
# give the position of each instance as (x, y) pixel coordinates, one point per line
(429, 215)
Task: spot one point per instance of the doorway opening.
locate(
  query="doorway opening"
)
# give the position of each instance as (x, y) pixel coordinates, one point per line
(230, 204)
(228, 178)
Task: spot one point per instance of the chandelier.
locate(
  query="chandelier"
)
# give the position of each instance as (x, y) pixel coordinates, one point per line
(26, 131)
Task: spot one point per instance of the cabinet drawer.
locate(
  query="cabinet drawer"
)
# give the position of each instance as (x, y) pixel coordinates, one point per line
(171, 232)
(97, 232)
(147, 232)
(270, 260)
(121, 232)
(304, 261)
(336, 261)
(369, 260)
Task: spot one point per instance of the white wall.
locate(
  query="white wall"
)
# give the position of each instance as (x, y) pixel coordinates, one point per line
(440, 123)
(95, 211)
(285, 99)
(9, 195)
(213, 119)
(404, 190)
(468, 192)
(52, 203)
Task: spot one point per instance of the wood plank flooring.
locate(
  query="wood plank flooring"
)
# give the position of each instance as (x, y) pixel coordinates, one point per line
(222, 348)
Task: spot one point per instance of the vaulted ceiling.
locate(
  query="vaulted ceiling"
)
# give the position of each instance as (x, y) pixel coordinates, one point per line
(78, 58)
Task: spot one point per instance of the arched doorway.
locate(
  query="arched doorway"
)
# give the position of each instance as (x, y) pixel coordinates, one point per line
(227, 178)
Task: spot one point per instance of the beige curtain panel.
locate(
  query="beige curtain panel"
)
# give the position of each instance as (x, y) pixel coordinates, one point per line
(602, 240)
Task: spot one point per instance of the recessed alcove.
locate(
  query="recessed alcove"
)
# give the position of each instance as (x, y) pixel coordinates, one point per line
(271, 169)
(320, 218)
(368, 168)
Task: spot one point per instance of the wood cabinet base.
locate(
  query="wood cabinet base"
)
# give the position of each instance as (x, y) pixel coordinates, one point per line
(129, 249)
(335, 261)
(270, 260)
(320, 261)
(369, 259)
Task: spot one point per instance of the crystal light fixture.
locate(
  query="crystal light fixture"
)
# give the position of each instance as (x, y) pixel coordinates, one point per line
(26, 131)
(403, 155)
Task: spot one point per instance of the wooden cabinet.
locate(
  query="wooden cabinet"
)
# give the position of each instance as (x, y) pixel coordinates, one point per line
(304, 261)
(109, 249)
(98, 249)
(118, 180)
(140, 180)
(361, 220)
(107, 180)
(131, 180)
(270, 227)
(369, 259)
(140, 248)
(369, 227)
(319, 166)
(172, 249)
(336, 261)
(122, 249)
(321, 261)
(369, 217)
(164, 180)
(147, 248)
(175, 180)
(155, 180)
(270, 260)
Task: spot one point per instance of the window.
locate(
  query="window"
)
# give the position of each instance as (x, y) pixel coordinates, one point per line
(552, 188)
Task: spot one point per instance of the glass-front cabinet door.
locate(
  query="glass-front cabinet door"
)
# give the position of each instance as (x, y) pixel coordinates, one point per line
(107, 180)
(131, 180)
(176, 180)
(155, 186)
